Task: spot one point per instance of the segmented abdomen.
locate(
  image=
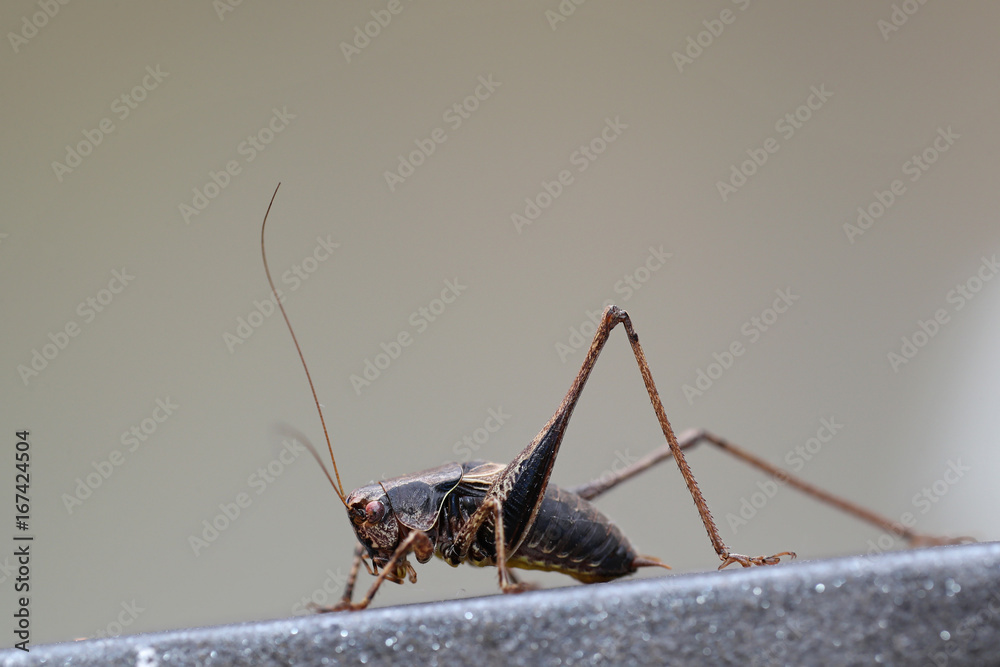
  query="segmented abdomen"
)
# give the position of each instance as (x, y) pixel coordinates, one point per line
(573, 537)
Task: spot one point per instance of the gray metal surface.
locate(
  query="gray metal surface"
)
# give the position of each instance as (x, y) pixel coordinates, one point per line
(938, 606)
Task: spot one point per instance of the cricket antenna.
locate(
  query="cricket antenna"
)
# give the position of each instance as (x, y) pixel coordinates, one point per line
(338, 487)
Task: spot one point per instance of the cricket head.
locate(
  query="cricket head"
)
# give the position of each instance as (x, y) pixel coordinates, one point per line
(383, 514)
(374, 523)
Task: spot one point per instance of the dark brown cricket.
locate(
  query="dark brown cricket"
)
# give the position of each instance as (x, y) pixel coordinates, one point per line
(510, 516)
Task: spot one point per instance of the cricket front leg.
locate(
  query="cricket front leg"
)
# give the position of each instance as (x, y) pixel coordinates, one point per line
(416, 542)
(352, 578)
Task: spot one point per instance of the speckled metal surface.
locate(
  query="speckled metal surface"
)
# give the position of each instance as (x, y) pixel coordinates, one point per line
(938, 606)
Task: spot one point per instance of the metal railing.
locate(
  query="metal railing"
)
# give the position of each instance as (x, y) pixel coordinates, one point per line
(937, 606)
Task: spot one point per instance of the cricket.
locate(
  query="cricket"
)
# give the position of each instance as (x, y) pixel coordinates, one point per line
(509, 516)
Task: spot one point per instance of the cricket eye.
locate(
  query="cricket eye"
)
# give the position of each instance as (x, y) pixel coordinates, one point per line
(374, 511)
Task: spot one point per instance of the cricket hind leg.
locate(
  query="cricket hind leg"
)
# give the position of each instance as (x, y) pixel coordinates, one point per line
(692, 437)
(530, 470)
(615, 315)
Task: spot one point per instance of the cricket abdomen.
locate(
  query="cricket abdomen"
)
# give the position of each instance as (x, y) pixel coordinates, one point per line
(573, 537)
(569, 535)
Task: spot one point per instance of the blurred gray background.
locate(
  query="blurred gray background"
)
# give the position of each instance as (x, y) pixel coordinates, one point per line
(836, 102)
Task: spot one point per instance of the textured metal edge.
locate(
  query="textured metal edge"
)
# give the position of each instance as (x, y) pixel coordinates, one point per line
(938, 606)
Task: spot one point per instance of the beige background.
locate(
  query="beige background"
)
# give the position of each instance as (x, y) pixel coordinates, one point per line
(496, 345)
